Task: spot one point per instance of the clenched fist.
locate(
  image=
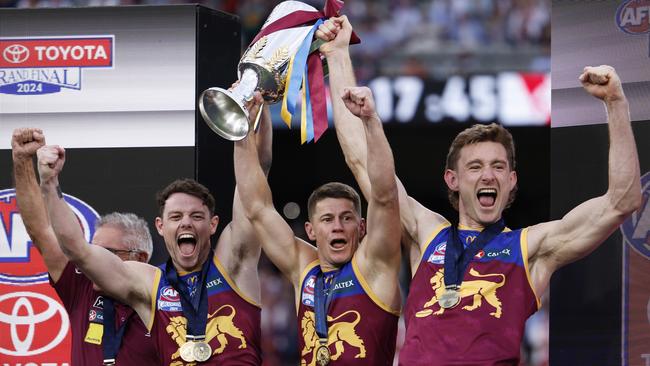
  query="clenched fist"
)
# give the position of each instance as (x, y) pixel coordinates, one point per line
(336, 33)
(25, 142)
(50, 161)
(602, 82)
(360, 102)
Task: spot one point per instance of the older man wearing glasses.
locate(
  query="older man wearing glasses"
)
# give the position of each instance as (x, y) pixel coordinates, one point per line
(102, 330)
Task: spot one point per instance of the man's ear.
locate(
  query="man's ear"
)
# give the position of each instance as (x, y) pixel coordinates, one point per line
(513, 180)
(214, 222)
(309, 229)
(159, 225)
(451, 178)
(362, 229)
(142, 257)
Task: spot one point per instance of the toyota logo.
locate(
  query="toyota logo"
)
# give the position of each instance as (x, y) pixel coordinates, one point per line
(23, 346)
(16, 53)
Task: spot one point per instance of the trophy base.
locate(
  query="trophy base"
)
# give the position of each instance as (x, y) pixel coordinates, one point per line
(223, 114)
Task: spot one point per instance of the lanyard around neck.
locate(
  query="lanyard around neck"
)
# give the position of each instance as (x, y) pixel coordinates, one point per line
(195, 308)
(322, 301)
(457, 257)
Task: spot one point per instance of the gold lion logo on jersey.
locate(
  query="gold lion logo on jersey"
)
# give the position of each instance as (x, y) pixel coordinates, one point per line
(218, 327)
(338, 333)
(478, 289)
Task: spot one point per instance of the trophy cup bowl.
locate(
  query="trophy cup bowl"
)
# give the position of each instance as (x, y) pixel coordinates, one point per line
(223, 114)
(263, 68)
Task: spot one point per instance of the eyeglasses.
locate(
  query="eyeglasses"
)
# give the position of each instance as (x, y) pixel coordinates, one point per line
(122, 252)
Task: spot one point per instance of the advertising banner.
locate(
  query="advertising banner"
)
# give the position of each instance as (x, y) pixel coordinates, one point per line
(513, 99)
(33, 321)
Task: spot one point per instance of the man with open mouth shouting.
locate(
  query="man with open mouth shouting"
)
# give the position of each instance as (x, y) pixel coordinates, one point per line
(202, 306)
(475, 282)
(346, 288)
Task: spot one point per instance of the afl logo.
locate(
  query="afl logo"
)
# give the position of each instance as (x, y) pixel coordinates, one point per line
(22, 313)
(440, 249)
(308, 290)
(15, 54)
(169, 294)
(633, 16)
(14, 240)
(310, 285)
(636, 229)
(438, 255)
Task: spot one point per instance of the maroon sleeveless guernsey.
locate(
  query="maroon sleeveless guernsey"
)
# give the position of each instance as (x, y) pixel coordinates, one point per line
(487, 326)
(361, 329)
(85, 308)
(233, 328)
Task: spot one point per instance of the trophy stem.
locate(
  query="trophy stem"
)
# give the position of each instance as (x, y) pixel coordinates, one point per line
(243, 92)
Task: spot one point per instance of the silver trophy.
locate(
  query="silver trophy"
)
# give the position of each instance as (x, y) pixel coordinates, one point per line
(263, 68)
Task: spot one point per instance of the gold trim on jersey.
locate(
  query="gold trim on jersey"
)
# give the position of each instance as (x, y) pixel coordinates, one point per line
(523, 241)
(435, 233)
(442, 226)
(232, 283)
(303, 275)
(370, 293)
(308, 268)
(154, 297)
(467, 228)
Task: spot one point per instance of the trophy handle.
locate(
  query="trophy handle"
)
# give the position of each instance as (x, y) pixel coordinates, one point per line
(224, 114)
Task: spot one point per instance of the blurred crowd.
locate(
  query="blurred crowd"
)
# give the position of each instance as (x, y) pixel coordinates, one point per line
(437, 38)
(428, 38)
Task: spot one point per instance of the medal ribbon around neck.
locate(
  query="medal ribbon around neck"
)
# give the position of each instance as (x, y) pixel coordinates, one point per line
(322, 302)
(457, 257)
(195, 309)
(112, 338)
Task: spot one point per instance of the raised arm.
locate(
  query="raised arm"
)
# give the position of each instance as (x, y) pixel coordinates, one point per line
(351, 135)
(263, 141)
(238, 248)
(583, 229)
(128, 282)
(349, 130)
(287, 252)
(24, 143)
(379, 256)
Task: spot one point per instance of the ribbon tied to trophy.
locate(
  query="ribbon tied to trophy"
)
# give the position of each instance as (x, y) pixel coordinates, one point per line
(283, 64)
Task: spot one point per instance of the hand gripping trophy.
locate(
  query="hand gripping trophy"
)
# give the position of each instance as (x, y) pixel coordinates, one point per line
(277, 54)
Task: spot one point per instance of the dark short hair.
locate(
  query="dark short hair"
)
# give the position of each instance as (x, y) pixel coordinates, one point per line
(333, 190)
(475, 134)
(187, 186)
